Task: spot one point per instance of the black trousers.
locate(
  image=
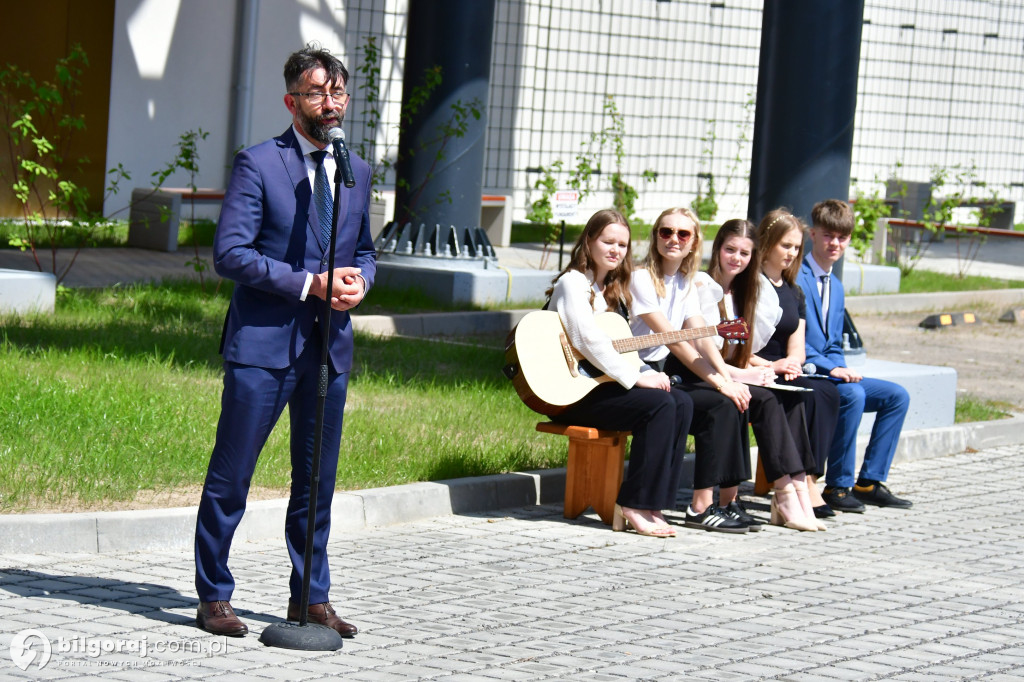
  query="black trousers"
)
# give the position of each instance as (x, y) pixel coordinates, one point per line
(779, 420)
(719, 432)
(822, 408)
(659, 421)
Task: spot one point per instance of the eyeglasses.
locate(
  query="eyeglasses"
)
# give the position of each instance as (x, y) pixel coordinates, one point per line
(682, 235)
(317, 98)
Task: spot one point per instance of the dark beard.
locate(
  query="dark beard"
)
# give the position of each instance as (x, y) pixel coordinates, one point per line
(316, 128)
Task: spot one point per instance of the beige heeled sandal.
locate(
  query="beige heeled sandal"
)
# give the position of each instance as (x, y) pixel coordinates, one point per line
(805, 503)
(778, 519)
(621, 523)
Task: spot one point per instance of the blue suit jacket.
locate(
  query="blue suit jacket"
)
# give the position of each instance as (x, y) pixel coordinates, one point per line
(267, 239)
(824, 347)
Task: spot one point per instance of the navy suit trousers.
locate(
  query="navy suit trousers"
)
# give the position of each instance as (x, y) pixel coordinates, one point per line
(252, 401)
(889, 402)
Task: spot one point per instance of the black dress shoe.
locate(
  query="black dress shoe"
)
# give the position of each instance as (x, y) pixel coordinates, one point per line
(219, 618)
(323, 614)
(823, 511)
(841, 499)
(736, 510)
(878, 495)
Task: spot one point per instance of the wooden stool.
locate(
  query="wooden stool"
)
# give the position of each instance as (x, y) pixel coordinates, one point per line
(594, 473)
(761, 483)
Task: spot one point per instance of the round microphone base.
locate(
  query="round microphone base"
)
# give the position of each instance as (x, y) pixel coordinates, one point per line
(308, 637)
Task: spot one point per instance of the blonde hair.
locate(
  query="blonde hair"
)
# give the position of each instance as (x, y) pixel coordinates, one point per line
(653, 260)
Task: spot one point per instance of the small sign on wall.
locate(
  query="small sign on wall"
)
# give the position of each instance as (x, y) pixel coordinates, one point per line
(565, 205)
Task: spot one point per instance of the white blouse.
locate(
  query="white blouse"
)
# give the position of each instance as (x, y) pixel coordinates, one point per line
(571, 300)
(679, 304)
(766, 315)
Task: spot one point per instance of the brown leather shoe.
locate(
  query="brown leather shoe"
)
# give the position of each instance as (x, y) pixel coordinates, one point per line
(323, 614)
(219, 618)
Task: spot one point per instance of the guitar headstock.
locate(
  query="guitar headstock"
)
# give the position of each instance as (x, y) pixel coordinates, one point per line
(734, 329)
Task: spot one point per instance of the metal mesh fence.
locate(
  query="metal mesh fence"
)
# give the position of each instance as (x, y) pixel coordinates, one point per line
(681, 74)
(941, 85)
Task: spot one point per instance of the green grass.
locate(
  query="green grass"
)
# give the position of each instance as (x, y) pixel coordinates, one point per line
(534, 233)
(108, 235)
(923, 281)
(118, 393)
(971, 409)
(202, 229)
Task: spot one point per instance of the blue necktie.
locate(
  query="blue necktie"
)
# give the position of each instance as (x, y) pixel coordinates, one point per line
(324, 199)
(825, 293)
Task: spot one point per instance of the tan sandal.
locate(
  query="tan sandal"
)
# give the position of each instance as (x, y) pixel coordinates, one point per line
(779, 519)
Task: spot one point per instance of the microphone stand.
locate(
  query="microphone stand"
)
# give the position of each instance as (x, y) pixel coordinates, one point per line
(313, 636)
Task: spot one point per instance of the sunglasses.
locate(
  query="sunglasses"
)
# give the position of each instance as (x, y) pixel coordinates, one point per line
(682, 235)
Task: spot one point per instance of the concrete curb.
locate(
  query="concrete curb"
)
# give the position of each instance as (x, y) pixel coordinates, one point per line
(173, 529)
(941, 300)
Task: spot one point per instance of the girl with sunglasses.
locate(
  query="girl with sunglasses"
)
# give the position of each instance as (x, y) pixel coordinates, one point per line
(665, 300)
(639, 400)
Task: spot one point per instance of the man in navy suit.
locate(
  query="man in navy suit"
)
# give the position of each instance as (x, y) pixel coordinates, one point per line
(272, 241)
(832, 224)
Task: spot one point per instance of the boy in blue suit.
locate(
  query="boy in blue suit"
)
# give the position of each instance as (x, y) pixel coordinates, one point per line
(273, 241)
(832, 224)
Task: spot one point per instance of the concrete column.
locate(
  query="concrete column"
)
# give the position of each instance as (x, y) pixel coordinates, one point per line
(456, 36)
(806, 100)
(243, 70)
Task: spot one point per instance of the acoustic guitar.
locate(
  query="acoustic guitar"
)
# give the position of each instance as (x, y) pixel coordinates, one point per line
(549, 374)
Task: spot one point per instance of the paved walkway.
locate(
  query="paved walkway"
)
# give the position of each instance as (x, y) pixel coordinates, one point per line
(933, 593)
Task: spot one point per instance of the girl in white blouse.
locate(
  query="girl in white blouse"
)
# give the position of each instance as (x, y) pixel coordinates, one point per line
(664, 299)
(638, 400)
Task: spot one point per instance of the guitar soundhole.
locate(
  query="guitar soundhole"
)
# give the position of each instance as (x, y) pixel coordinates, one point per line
(588, 370)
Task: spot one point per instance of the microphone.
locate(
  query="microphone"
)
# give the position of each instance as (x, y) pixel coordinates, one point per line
(337, 138)
(809, 369)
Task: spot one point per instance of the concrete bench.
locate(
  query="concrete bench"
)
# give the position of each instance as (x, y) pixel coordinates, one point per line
(932, 392)
(155, 215)
(496, 218)
(24, 291)
(594, 472)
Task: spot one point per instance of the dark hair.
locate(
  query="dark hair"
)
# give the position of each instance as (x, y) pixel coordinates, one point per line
(833, 215)
(770, 232)
(311, 57)
(691, 263)
(616, 282)
(745, 285)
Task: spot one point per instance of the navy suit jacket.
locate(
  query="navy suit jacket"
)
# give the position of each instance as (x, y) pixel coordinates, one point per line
(824, 347)
(268, 239)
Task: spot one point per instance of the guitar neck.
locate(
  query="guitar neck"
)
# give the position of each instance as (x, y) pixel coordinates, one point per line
(632, 343)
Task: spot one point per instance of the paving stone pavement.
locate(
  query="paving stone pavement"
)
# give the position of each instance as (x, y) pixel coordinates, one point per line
(933, 593)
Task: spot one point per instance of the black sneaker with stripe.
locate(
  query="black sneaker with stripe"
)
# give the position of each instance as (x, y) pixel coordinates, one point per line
(737, 512)
(713, 518)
